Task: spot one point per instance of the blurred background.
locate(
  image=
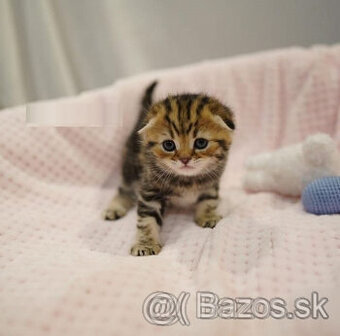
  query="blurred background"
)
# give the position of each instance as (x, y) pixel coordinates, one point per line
(53, 48)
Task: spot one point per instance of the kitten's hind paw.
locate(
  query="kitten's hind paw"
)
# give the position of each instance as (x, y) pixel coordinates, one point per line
(208, 221)
(144, 249)
(118, 208)
(114, 212)
(111, 214)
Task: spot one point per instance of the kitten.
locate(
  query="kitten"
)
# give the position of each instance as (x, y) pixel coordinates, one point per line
(177, 150)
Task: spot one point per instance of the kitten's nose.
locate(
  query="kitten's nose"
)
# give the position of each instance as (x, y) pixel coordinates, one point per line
(185, 160)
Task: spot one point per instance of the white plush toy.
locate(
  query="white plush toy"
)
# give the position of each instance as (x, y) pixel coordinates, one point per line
(289, 169)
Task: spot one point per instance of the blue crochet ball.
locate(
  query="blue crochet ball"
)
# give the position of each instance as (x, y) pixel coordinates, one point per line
(322, 196)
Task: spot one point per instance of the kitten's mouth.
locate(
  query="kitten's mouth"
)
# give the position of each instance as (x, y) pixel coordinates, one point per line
(187, 167)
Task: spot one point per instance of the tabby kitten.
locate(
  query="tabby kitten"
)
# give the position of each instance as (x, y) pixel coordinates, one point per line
(176, 153)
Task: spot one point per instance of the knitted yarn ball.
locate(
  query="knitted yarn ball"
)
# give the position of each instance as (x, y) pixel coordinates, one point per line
(322, 196)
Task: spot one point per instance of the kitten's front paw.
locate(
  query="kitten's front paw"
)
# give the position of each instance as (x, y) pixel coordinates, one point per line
(208, 220)
(140, 249)
(114, 212)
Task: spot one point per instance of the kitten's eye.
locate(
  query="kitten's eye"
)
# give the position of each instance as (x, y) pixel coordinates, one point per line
(169, 145)
(201, 143)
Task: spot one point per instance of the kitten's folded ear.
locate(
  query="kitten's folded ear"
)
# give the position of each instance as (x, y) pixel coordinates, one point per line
(224, 116)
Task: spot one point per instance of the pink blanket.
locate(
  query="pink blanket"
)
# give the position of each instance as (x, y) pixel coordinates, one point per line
(65, 271)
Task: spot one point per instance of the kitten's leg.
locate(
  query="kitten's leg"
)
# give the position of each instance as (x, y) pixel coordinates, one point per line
(150, 212)
(121, 203)
(206, 215)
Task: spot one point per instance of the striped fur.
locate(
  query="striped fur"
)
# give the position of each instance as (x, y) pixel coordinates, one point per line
(154, 177)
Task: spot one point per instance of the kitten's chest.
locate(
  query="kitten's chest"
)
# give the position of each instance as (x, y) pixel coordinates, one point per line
(184, 198)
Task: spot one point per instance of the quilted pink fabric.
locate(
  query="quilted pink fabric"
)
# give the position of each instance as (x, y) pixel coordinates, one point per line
(65, 271)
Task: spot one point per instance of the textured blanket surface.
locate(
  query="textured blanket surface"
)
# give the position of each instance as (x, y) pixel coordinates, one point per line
(65, 271)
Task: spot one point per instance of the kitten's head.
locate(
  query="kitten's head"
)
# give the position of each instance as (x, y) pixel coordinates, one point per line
(188, 134)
